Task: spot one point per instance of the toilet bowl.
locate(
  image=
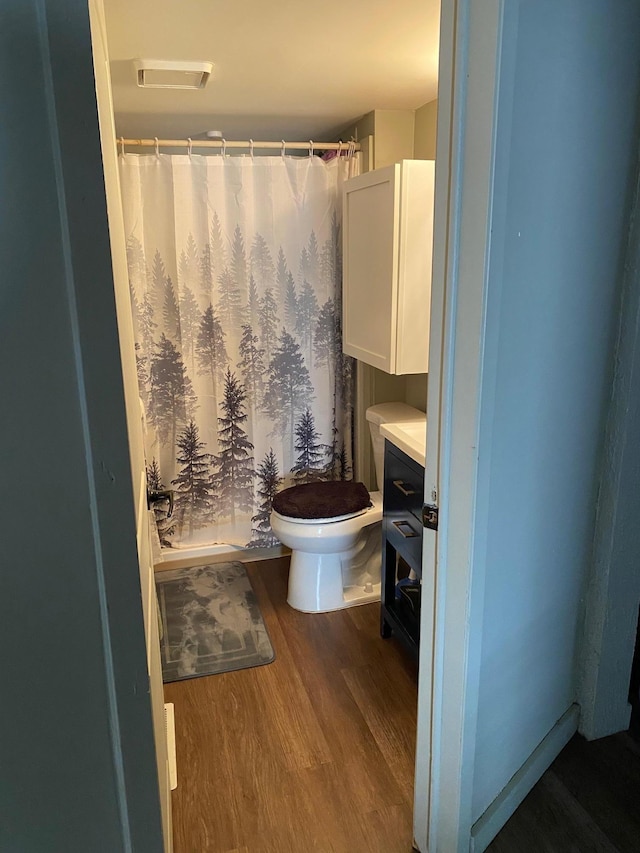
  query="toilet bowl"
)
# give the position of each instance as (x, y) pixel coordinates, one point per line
(336, 562)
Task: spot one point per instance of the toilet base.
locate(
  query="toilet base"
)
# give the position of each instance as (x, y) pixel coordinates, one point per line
(316, 582)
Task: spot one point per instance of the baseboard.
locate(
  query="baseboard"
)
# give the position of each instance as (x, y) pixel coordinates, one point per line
(491, 822)
(177, 559)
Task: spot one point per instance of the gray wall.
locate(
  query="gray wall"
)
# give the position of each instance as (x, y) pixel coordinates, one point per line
(565, 153)
(77, 766)
(613, 591)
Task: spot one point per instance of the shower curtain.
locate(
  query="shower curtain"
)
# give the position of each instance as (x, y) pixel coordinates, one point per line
(235, 275)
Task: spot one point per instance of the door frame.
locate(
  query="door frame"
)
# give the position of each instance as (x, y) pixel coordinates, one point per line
(448, 688)
(69, 139)
(117, 237)
(451, 617)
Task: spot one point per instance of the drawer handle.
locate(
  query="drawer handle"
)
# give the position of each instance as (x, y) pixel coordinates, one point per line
(399, 484)
(406, 529)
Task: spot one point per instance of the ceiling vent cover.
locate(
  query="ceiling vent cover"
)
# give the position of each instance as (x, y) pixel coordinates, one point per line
(166, 74)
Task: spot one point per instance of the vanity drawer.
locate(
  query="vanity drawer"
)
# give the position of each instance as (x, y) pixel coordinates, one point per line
(404, 534)
(403, 484)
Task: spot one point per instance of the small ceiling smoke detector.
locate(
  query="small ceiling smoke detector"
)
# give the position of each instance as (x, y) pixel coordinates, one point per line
(165, 74)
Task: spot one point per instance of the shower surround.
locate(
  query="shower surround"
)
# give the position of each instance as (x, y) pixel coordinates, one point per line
(235, 274)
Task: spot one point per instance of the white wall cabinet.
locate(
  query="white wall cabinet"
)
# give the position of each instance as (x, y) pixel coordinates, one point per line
(388, 231)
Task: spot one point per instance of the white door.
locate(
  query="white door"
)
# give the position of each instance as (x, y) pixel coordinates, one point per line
(531, 212)
(132, 401)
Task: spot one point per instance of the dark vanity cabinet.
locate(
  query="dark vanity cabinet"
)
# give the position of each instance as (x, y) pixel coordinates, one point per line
(401, 546)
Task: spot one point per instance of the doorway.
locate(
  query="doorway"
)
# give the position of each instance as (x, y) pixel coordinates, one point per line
(393, 128)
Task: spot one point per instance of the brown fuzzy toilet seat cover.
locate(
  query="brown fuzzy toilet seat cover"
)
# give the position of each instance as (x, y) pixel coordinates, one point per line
(322, 500)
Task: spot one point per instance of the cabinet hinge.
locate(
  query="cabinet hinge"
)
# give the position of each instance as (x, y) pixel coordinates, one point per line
(430, 516)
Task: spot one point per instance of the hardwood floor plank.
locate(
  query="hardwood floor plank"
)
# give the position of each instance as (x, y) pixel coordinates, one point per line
(215, 735)
(387, 830)
(367, 620)
(580, 819)
(336, 825)
(550, 820)
(293, 721)
(391, 717)
(235, 784)
(349, 637)
(322, 645)
(327, 809)
(604, 777)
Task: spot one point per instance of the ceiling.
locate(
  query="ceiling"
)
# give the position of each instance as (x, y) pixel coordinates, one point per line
(286, 69)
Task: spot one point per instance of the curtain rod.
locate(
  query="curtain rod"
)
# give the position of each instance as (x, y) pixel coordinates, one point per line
(223, 143)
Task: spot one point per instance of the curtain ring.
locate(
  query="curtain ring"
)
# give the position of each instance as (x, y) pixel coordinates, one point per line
(311, 148)
(282, 149)
(157, 147)
(339, 151)
(224, 146)
(121, 140)
(352, 148)
(251, 148)
(189, 146)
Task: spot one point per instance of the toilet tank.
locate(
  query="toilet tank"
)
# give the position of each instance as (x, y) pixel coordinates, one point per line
(387, 413)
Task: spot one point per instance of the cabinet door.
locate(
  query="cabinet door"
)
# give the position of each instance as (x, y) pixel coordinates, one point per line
(370, 299)
(414, 266)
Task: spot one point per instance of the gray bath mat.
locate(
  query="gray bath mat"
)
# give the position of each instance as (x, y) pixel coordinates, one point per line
(211, 621)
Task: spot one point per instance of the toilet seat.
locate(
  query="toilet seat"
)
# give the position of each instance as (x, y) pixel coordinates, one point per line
(322, 502)
(330, 520)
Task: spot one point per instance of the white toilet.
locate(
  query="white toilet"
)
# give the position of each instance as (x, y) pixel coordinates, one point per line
(335, 562)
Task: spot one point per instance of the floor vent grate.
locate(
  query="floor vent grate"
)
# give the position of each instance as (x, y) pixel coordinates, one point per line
(170, 726)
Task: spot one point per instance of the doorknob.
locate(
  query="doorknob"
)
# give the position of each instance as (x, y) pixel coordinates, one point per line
(156, 495)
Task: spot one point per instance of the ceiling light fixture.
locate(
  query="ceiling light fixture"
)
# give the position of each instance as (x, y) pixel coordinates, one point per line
(166, 74)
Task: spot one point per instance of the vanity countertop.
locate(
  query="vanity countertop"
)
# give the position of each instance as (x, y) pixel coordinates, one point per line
(410, 437)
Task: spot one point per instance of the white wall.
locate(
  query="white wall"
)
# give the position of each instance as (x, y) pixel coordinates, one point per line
(424, 137)
(564, 154)
(393, 133)
(78, 766)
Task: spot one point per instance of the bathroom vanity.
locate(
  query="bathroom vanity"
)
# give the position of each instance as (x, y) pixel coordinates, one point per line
(403, 497)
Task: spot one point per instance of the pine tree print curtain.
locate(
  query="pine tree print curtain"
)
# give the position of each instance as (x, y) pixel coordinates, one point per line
(235, 275)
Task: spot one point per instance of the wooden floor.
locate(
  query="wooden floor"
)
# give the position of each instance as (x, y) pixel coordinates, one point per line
(315, 752)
